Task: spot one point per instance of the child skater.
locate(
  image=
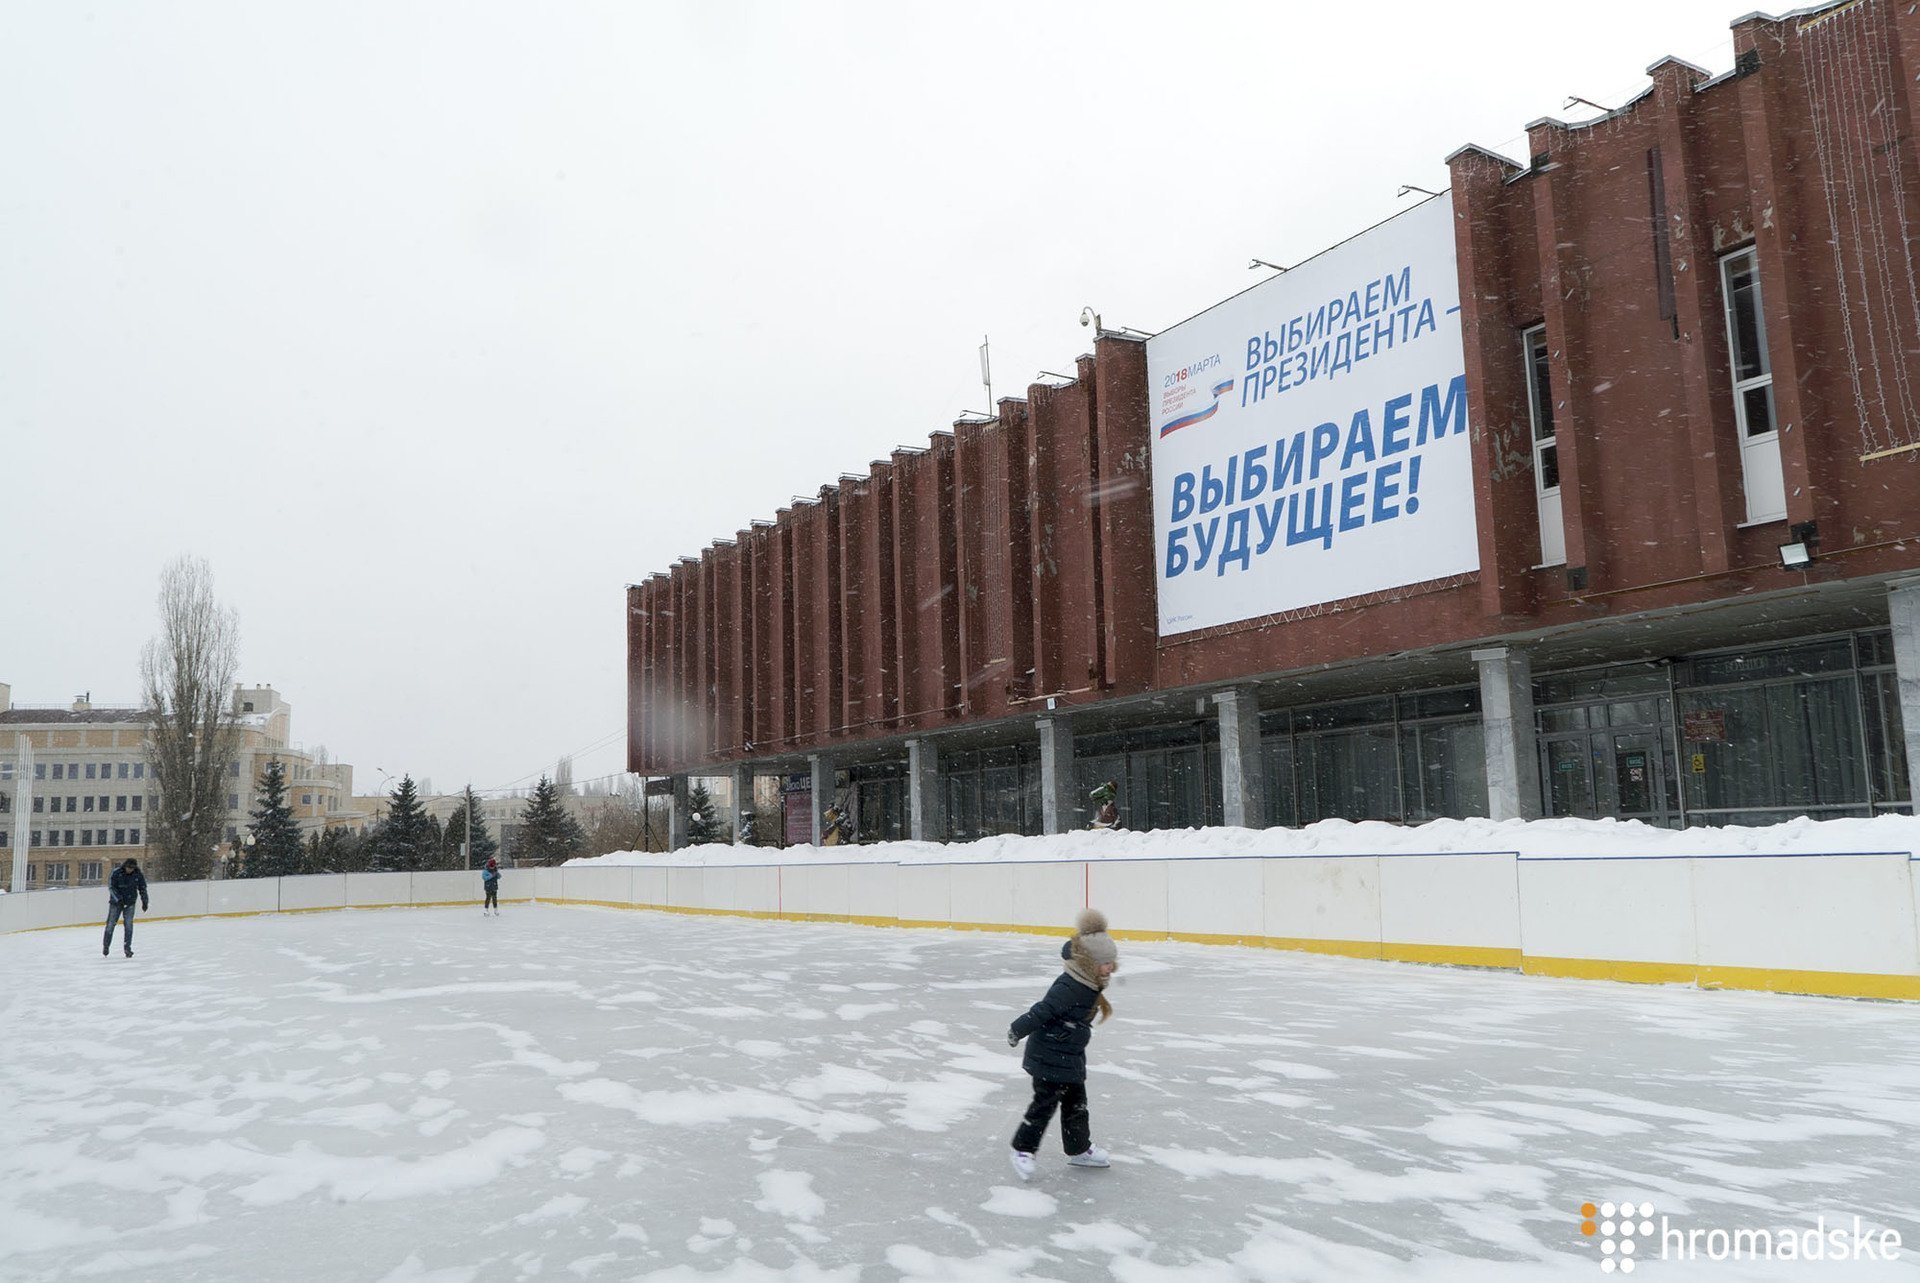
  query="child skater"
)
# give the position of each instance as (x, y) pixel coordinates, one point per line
(1061, 1025)
(490, 881)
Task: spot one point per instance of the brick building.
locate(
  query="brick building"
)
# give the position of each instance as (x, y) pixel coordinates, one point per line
(1688, 332)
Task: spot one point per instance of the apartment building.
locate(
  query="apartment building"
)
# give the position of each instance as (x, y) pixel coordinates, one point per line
(92, 789)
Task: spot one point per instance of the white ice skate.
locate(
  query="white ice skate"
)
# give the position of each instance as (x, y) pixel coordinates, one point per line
(1093, 1157)
(1023, 1165)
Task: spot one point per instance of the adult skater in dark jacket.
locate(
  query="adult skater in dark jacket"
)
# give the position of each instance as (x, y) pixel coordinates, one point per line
(125, 886)
(1058, 1029)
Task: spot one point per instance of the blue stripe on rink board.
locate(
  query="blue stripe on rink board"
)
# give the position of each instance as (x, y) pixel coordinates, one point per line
(1737, 855)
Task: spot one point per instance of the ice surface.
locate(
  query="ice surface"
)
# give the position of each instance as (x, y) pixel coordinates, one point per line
(570, 1093)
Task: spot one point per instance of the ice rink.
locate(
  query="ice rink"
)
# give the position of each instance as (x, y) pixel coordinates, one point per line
(567, 1093)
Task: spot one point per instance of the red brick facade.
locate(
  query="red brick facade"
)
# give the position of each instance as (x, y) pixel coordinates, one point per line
(1013, 561)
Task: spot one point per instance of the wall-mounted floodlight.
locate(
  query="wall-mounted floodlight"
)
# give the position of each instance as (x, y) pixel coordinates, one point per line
(1049, 374)
(1575, 100)
(1261, 262)
(1803, 537)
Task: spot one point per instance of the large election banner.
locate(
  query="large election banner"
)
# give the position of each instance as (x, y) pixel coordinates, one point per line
(1310, 435)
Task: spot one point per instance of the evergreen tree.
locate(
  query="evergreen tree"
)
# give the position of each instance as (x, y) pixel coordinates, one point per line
(484, 847)
(405, 842)
(702, 824)
(548, 832)
(275, 852)
(336, 851)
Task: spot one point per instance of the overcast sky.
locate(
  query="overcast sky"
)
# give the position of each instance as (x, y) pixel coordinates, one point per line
(431, 326)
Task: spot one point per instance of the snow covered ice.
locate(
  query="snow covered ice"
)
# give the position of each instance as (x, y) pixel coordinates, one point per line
(570, 1093)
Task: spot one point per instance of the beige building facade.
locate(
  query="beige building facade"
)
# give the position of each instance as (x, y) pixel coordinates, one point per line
(91, 787)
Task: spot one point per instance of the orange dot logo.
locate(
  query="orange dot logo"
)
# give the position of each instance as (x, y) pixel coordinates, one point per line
(1587, 1226)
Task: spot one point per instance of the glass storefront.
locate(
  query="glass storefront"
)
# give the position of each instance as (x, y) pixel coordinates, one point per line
(1404, 758)
(1747, 737)
(1168, 777)
(993, 792)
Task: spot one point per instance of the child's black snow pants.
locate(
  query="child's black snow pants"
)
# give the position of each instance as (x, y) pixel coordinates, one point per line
(1076, 1125)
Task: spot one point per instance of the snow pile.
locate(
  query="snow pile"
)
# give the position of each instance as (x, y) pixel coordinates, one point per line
(1553, 839)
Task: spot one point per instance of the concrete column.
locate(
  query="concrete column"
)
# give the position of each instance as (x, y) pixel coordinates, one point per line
(677, 815)
(742, 796)
(1057, 792)
(1506, 714)
(1903, 607)
(822, 790)
(1243, 786)
(926, 793)
(23, 811)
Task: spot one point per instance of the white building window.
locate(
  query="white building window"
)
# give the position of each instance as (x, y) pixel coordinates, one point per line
(1761, 472)
(1546, 450)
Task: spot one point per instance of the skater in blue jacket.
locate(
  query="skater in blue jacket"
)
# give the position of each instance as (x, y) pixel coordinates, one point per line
(490, 882)
(1058, 1029)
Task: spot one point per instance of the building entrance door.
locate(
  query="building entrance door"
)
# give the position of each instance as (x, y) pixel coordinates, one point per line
(1599, 773)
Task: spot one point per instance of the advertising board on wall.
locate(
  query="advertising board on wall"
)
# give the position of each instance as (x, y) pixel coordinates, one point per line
(1310, 434)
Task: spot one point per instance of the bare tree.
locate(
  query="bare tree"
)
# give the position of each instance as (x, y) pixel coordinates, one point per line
(186, 676)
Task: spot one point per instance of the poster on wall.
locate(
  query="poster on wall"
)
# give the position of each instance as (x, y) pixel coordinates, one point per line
(1310, 435)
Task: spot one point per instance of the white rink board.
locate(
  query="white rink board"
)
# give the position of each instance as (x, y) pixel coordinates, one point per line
(599, 884)
(873, 890)
(61, 907)
(981, 894)
(685, 887)
(314, 891)
(1048, 895)
(649, 886)
(1323, 898)
(717, 890)
(244, 895)
(1214, 897)
(1608, 910)
(169, 899)
(756, 889)
(366, 890)
(823, 890)
(1470, 901)
(926, 893)
(1807, 913)
(446, 886)
(1132, 893)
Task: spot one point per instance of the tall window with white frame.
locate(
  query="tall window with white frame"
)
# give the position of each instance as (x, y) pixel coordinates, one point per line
(1760, 470)
(1546, 451)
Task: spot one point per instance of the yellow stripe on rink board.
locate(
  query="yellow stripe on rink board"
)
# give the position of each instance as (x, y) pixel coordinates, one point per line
(1826, 984)
(1452, 955)
(1638, 973)
(1368, 949)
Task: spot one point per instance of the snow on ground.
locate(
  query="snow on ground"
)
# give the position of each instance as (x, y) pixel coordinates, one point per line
(569, 1093)
(1536, 838)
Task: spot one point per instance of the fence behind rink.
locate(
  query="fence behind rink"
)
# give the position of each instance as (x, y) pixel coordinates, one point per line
(1837, 923)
